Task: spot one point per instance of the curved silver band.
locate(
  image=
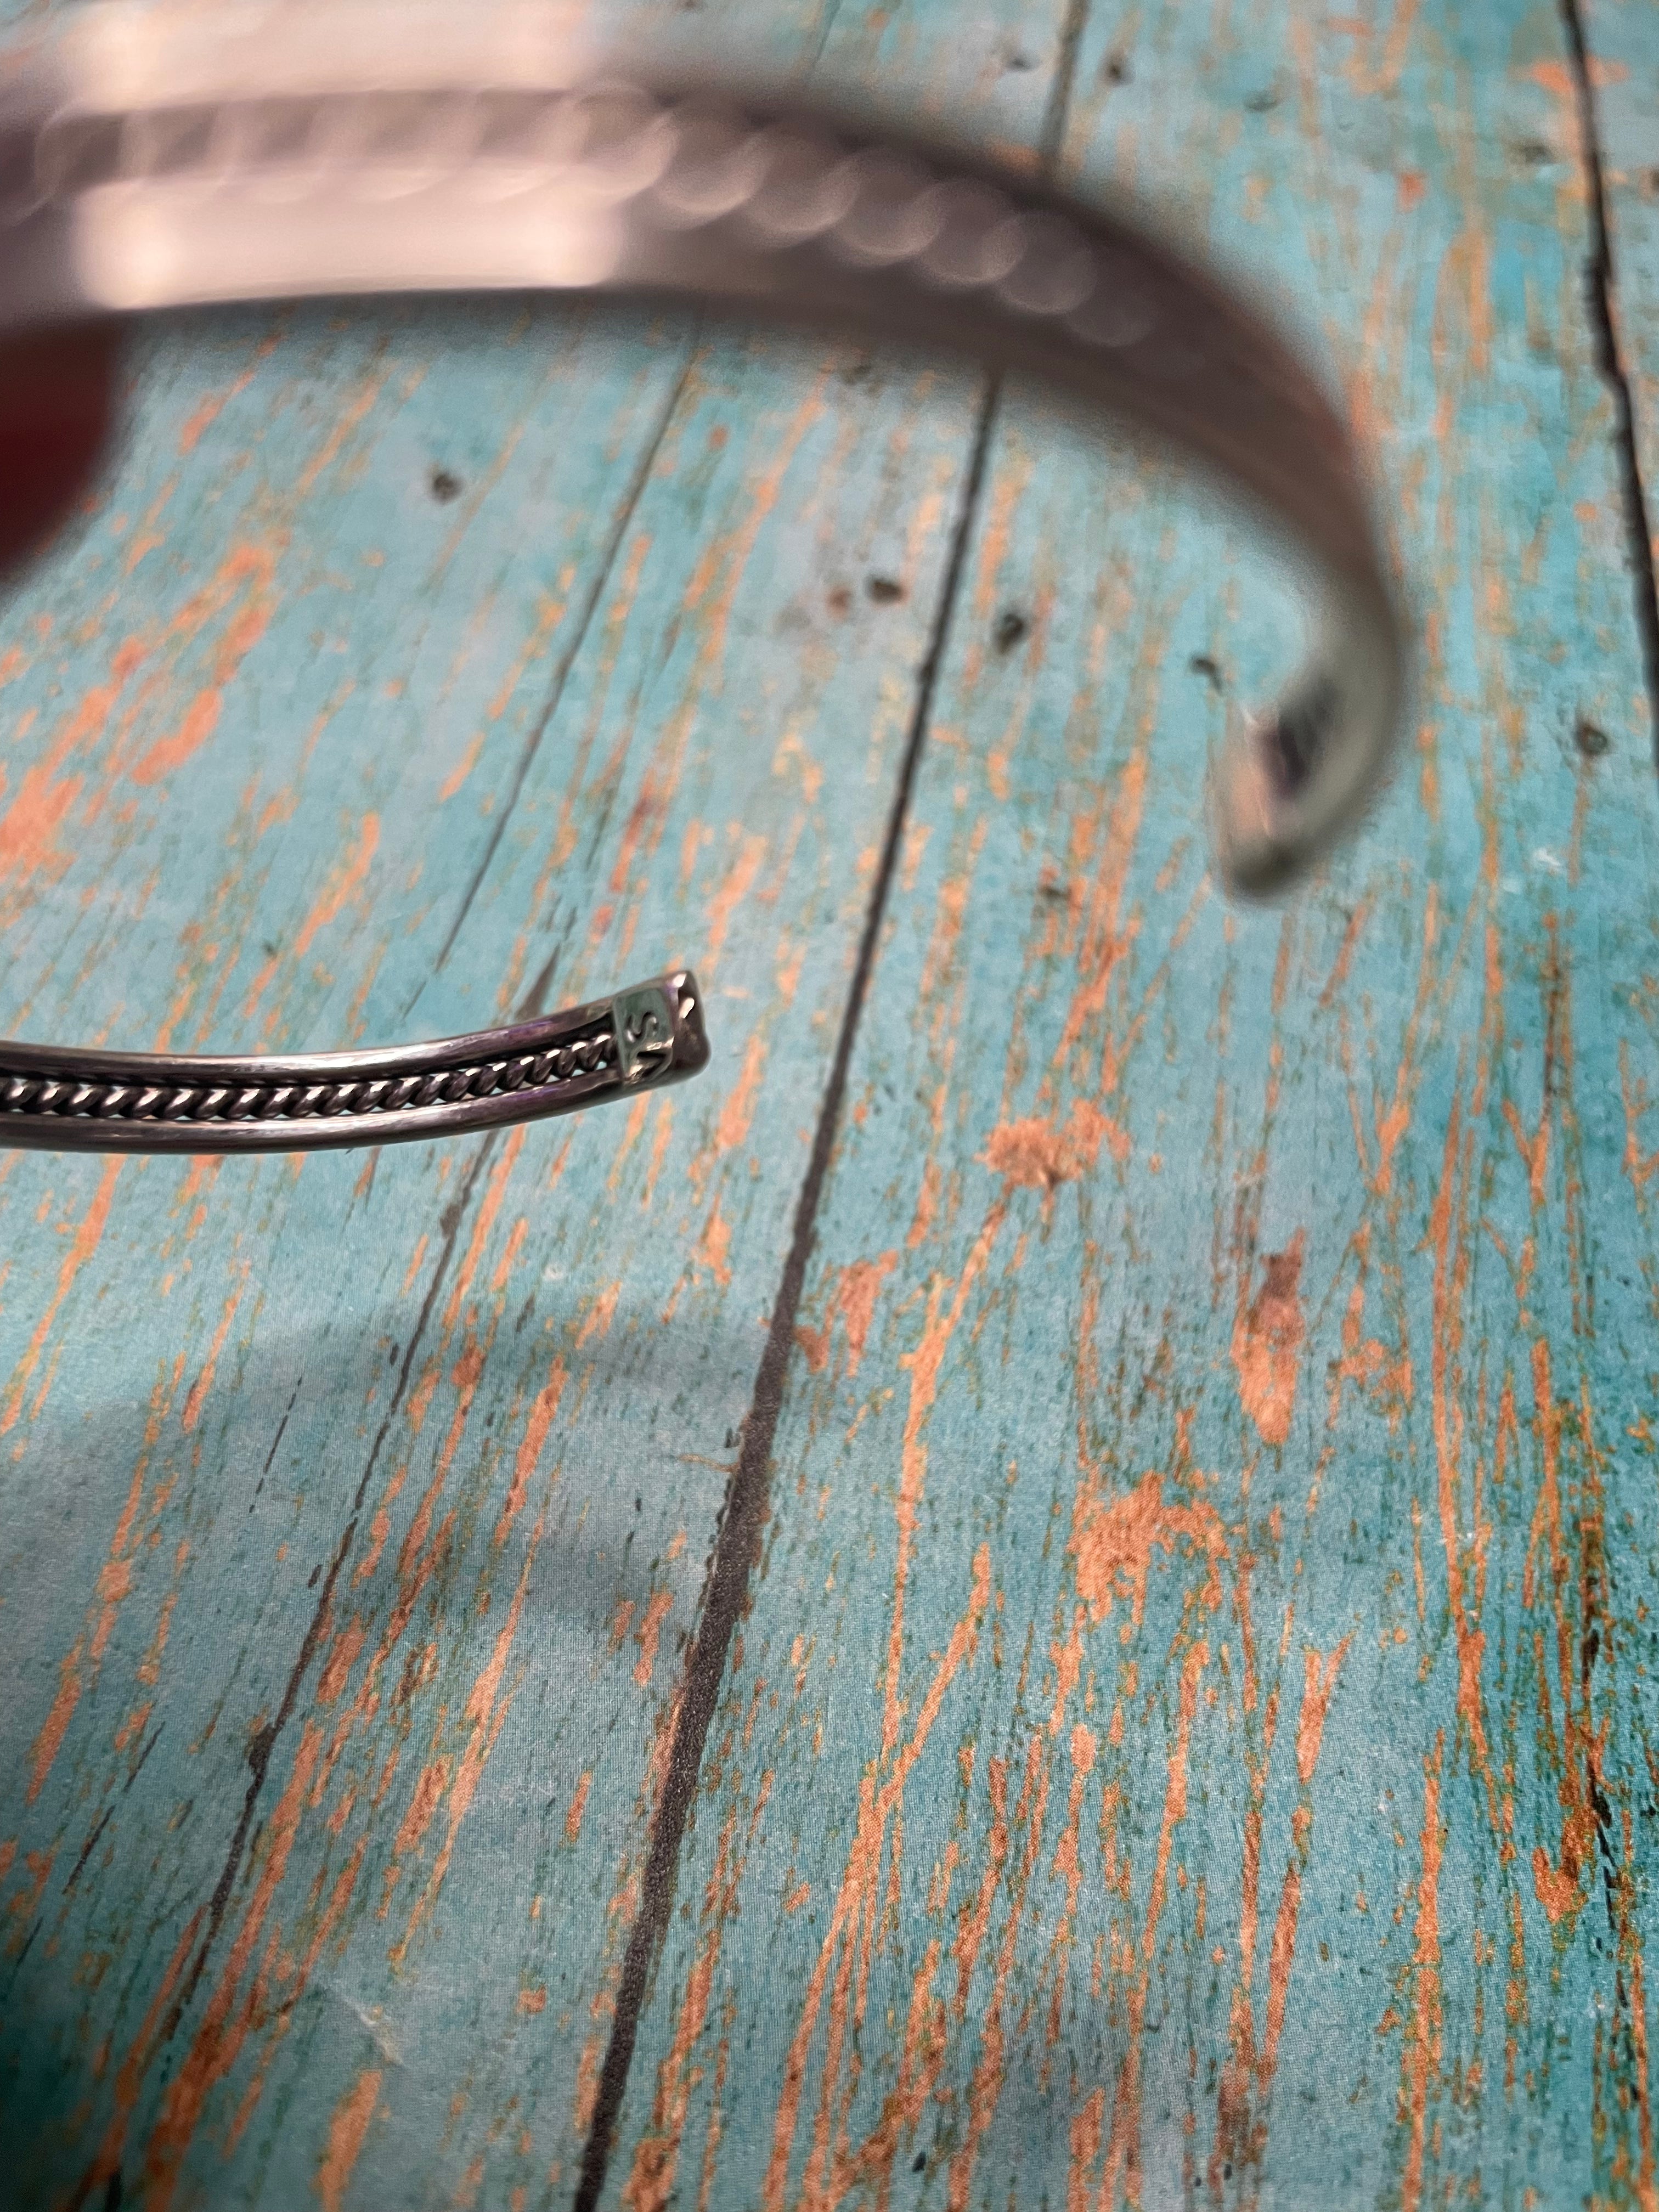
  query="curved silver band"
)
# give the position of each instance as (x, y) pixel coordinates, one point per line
(62, 1098)
(162, 158)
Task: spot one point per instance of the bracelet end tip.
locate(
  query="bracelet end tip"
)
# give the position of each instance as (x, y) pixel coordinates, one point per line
(660, 1030)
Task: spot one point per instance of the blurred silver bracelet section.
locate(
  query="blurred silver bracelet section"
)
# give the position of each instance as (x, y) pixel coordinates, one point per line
(161, 158)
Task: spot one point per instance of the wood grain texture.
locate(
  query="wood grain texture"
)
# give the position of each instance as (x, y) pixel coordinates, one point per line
(409, 669)
(1193, 1737)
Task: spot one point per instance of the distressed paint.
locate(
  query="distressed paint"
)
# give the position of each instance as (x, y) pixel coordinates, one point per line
(1192, 1736)
(1195, 1677)
(354, 1523)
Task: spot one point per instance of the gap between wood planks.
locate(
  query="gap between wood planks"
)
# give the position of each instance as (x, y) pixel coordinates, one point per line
(1600, 285)
(743, 1512)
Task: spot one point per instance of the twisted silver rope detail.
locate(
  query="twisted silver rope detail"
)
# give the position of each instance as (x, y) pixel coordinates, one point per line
(115, 1101)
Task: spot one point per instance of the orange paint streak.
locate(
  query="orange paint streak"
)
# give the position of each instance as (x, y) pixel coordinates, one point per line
(348, 2131)
(714, 1247)
(549, 613)
(543, 1408)
(379, 1528)
(923, 1366)
(1107, 938)
(658, 1608)
(429, 1795)
(252, 565)
(322, 1936)
(734, 553)
(1123, 2152)
(665, 1114)
(985, 2087)
(486, 1709)
(738, 882)
(1641, 1167)
(200, 721)
(921, 2058)
(129, 2076)
(55, 1727)
(1266, 1346)
(738, 1111)
(146, 537)
(490, 1206)
(939, 967)
(1562, 1888)
(1087, 2125)
(1236, 2141)
(1449, 1240)
(355, 410)
(1318, 1682)
(638, 1114)
(1344, 960)
(207, 411)
(1112, 1541)
(204, 1383)
(347, 881)
(1067, 1657)
(224, 2027)
(600, 1315)
(650, 2183)
(340, 887)
(342, 1658)
(1068, 1867)
(852, 1912)
(926, 1205)
(1630, 1960)
(1391, 1123)
(29, 825)
(463, 768)
(149, 1667)
(84, 1245)
(416, 1262)
(1421, 2061)
(509, 1258)
(1035, 1154)
(1557, 79)
(854, 1305)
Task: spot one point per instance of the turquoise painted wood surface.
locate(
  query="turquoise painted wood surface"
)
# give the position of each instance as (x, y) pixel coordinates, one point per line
(1187, 1736)
(1191, 1738)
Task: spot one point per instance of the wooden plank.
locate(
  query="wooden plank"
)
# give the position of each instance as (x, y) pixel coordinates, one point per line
(1192, 1735)
(352, 1517)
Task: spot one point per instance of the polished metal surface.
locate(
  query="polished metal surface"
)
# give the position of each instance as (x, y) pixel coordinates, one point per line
(162, 158)
(57, 1098)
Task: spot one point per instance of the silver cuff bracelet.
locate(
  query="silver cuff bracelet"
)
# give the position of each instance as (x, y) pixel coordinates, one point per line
(164, 158)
